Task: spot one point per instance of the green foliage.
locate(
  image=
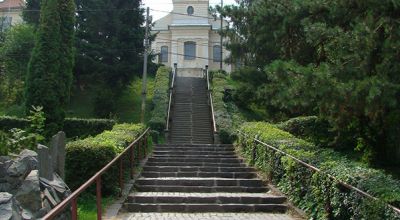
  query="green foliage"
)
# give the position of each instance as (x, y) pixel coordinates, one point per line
(79, 127)
(227, 115)
(160, 99)
(48, 80)
(8, 122)
(14, 55)
(85, 157)
(335, 59)
(319, 195)
(104, 103)
(73, 127)
(109, 43)
(309, 128)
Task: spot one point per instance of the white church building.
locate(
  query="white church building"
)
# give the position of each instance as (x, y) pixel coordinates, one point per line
(188, 36)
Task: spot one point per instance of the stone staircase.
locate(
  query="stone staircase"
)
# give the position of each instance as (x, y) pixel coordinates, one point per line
(192, 175)
(191, 118)
(200, 178)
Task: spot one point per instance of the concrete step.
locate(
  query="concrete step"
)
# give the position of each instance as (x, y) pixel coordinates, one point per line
(150, 163)
(194, 149)
(235, 175)
(209, 182)
(195, 160)
(194, 153)
(202, 189)
(148, 168)
(191, 208)
(213, 198)
(195, 145)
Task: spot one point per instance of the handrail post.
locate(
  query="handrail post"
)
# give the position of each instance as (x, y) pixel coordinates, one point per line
(98, 197)
(74, 208)
(131, 160)
(254, 151)
(139, 145)
(145, 146)
(121, 176)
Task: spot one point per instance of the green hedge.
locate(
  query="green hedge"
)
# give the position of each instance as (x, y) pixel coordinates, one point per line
(160, 99)
(79, 127)
(73, 127)
(309, 128)
(227, 116)
(320, 196)
(85, 157)
(9, 122)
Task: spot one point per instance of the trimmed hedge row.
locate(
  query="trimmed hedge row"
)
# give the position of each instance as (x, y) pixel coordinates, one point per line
(227, 116)
(160, 99)
(9, 122)
(79, 127)
(320, 196)
(73, 127)
(309, 128)
(85, 157)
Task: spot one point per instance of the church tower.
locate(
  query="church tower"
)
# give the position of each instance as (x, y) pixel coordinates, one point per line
(189, 37)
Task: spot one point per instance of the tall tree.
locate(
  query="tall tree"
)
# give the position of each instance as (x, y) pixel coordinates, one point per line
(47, 82)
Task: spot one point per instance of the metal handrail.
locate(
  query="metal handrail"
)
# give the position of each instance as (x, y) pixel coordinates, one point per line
(315, 169)
(73, 198)
(171, 90)
(211, 101)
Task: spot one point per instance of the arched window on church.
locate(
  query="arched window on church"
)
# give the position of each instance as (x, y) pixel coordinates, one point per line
(190, 50)
(164, 54)
(217, 53)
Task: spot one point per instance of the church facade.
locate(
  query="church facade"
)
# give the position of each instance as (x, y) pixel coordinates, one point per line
(188, 36)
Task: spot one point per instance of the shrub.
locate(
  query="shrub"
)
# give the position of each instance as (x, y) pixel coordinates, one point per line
(86, 157)
(8, 123)
(73, 127)
(79, 127)
(160, 99)
(309, 128)
(320, 196)
(227, 115)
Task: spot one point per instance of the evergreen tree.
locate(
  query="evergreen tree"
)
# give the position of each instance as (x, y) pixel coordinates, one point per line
(47, 81)
(67, 17)
(31, 12)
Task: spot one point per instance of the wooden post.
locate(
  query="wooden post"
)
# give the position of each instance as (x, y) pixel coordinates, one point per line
(121, 176)
(131, 160)
(74, 207)
(98, 197)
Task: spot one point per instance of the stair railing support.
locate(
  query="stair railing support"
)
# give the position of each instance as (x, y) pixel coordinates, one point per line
(210, 99)
(171, 92)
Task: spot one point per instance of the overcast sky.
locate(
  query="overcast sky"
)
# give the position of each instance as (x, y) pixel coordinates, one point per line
(166, 5)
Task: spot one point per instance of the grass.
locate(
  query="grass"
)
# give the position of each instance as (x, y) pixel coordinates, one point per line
(87, 206)
(128, 104)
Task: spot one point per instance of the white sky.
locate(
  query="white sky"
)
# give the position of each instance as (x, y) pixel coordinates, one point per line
(166, 5)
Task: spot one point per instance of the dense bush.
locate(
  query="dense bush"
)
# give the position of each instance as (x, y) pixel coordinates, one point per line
(160, 99)
(320, 196)
(309, 128)
(336, 59)
(227, 115)
(73, 127)
(79, 127)
(85, 157)
(8, 123)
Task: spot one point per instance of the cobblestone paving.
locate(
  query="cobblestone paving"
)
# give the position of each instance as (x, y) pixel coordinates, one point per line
(204, 216)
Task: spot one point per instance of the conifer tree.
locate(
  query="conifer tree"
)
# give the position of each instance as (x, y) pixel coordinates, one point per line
(49, 70)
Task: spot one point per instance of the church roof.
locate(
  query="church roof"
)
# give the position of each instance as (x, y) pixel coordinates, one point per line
(11, 4)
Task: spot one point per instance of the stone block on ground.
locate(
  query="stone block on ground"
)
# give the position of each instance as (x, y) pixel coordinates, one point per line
(28, 194)
(57, 147)
(45, 162)
(8, 208)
